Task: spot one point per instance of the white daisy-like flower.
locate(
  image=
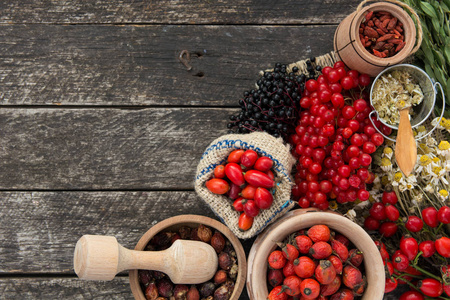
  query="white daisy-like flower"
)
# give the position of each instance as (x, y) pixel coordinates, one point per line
(386, 164)
(438, 124)
(421, 131)
(444, 149)
(431, 141)
(429, 188)
(411, 180)
(351, 214)
(443, 195)
(388, 152)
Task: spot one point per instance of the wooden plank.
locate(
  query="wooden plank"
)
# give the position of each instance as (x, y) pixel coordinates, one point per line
(72, 288)
(177, 12)
(139, 65)
(39, 230)
(64, 288)
(91, 149)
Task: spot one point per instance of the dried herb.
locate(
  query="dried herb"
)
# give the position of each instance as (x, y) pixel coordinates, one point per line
(434, 53)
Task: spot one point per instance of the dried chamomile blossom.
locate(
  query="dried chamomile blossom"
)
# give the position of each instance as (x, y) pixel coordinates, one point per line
(386, 164)
(429, 188)
(444, 149)
(351, 214)
(430, 141)
(439, 124)
(443, 194)
(333, 205)
(420, 131)
(388, 152)
(394, 91)
(424, 148)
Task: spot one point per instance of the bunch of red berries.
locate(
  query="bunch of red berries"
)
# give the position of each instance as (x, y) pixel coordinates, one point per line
(334, 139)
(416, 247)
(246, 178)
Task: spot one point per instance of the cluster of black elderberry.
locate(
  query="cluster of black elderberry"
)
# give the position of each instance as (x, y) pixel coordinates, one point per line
(274, 106)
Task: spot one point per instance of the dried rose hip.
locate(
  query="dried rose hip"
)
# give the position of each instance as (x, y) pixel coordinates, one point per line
(275, 277)
(218, 242)
(151, 292)
(351, 276)
(304, 267)
(204, 233)
(220, 277)
(319, 233)
(225, 261)
(325, 272)
(165, 287)
(193, 293)
(320, 250)
(277, 260)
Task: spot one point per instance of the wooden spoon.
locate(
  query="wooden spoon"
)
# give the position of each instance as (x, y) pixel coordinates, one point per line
(98, 257)
(405, 147)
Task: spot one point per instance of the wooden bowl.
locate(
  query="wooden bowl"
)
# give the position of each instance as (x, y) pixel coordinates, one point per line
(305, 218)
(192, 221)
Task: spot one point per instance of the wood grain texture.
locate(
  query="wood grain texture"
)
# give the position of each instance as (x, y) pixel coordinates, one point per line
(176, 12)
(139, 65)
(64, 288)
(73, 288)
(39, 230)
(85, 149)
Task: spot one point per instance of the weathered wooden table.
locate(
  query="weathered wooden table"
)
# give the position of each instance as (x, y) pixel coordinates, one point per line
(101, 125)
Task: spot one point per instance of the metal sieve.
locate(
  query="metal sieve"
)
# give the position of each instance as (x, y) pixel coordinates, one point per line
(424, 109)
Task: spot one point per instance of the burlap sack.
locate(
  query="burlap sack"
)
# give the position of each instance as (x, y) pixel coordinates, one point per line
(265, 145)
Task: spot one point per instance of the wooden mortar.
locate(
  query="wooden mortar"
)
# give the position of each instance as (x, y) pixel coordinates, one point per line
(193, 221)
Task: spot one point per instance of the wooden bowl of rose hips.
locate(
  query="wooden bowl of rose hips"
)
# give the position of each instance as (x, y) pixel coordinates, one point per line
(313, 254)
(227, 283)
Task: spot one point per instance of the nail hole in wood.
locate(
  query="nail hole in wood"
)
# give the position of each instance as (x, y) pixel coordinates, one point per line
(198, 53)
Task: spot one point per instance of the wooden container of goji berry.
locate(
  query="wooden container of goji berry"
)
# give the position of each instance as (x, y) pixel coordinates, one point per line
(299, 219)
(377, 36)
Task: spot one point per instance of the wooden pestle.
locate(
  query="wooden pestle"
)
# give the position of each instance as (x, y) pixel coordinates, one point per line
(98, 257)
(405, 146)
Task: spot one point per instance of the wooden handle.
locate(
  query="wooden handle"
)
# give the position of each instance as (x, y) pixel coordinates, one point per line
(99, 257)
(405, 147)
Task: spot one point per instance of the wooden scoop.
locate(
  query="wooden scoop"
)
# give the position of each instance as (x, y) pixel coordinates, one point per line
(98, 257)
(405, 146)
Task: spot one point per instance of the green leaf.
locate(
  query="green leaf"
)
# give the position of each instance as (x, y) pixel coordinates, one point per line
(439, 75)
(427, 51)
(447, 53)
(447, 2)
(445, 8)
(447, 91)
(439, 57)
(436, 25)
(428, 9)
(429, 70)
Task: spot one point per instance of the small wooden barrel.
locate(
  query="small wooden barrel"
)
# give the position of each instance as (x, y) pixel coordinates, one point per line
(350, 50)
(193, 221)
(305, 218)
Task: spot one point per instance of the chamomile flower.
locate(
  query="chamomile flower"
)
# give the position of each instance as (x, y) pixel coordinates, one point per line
(388, 152)
(429, 188)
(351, 214)
(420, 131)
(444, 149)
(431, 141)
(333, 205)
(386, 164)
(438, 124)
(443, 194)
